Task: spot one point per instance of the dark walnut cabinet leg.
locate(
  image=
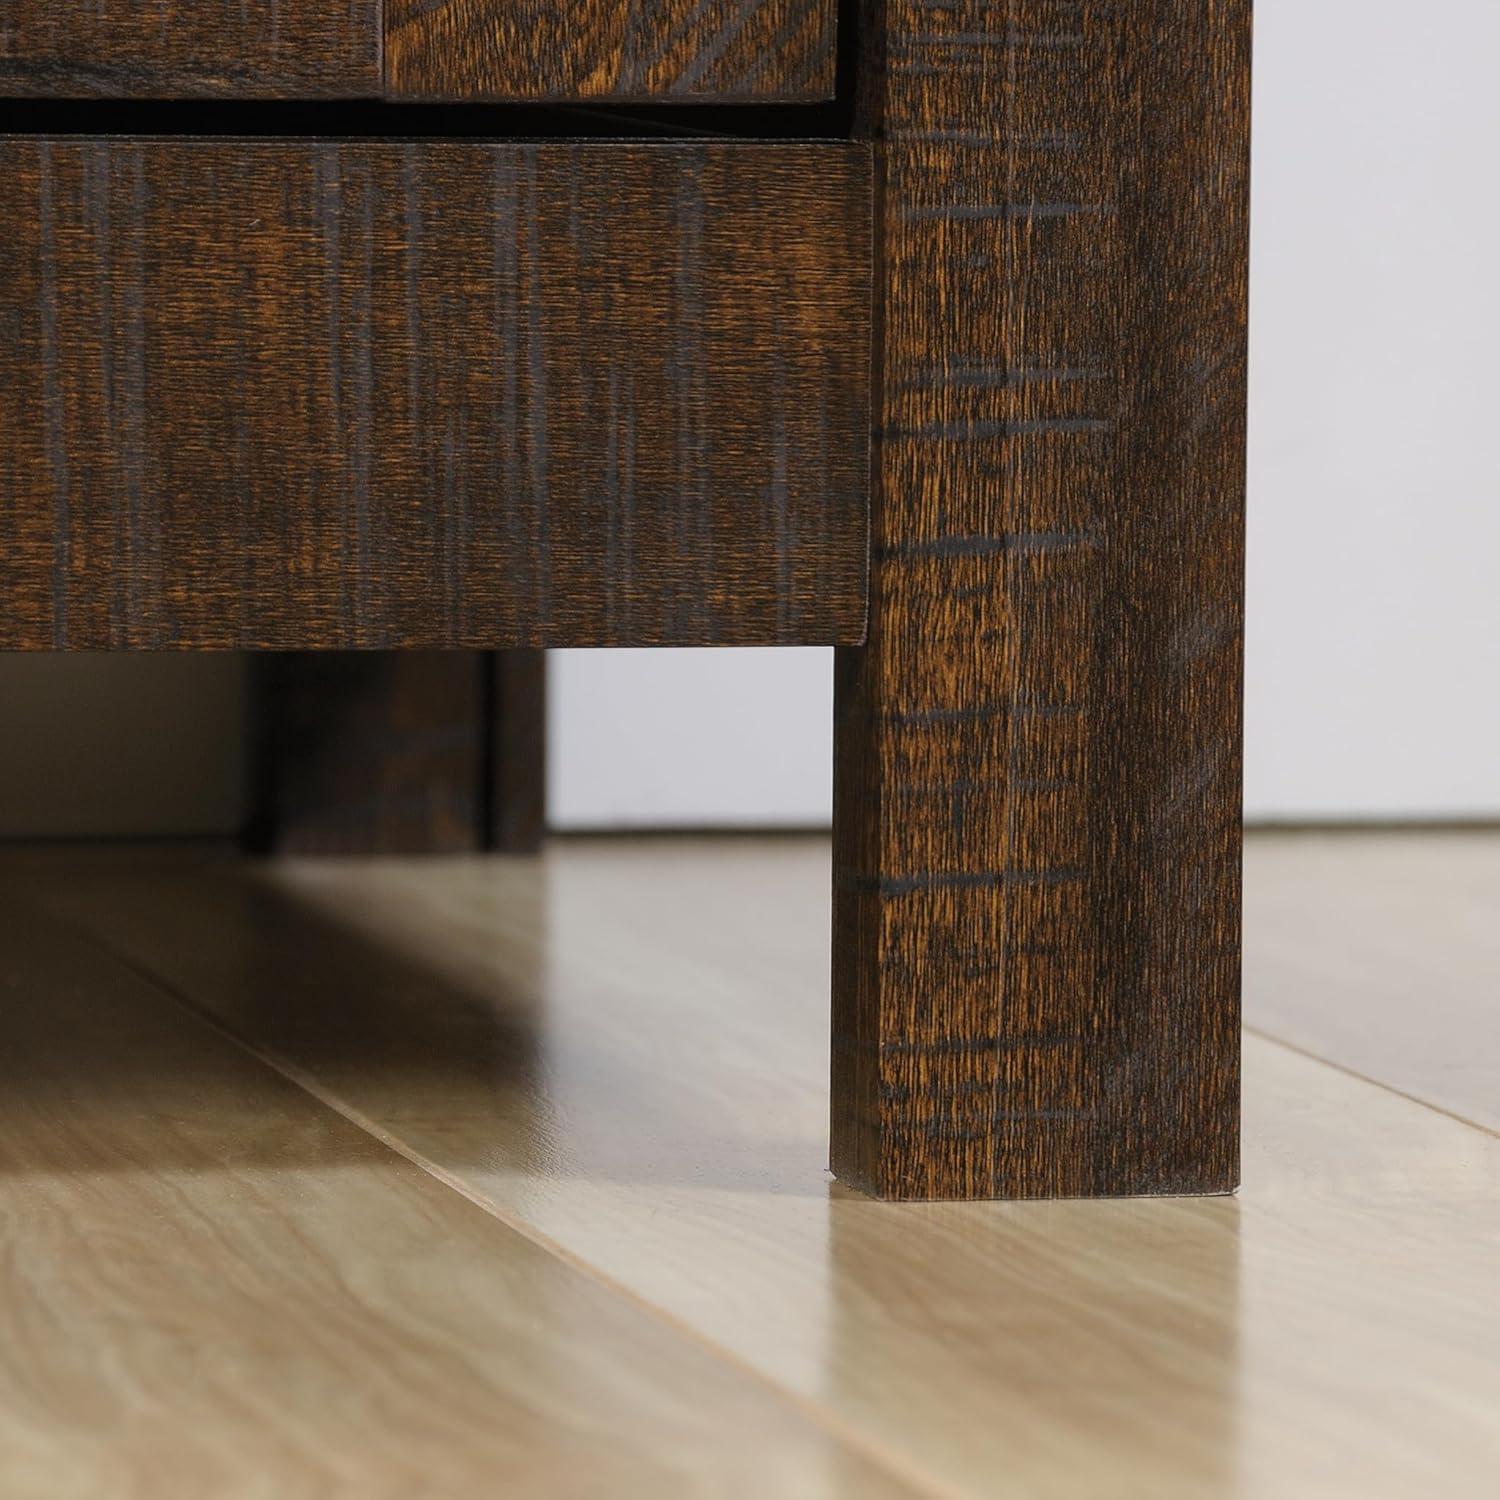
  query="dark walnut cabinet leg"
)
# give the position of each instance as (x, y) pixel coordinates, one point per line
(389, 752)
(1038, 770)
(516, 755)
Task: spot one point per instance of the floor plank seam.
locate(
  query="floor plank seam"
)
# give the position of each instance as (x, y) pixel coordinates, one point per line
(1389, 1088)
(895, 1464)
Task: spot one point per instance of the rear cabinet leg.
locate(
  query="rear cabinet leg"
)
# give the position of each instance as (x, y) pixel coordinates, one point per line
(516, 759)
(398, 752)
(1038, 769)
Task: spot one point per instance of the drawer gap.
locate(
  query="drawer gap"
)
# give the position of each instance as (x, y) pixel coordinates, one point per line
(375, 119)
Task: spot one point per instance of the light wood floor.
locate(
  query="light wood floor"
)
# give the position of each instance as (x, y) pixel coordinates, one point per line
(451, 1178)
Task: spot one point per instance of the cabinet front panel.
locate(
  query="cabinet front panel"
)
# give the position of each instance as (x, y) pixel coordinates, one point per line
(643, 50)
(688, 51)
(294, 395)
(132, 49)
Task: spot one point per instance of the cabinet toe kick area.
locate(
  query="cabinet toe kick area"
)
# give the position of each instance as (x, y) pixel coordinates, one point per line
(320, 395)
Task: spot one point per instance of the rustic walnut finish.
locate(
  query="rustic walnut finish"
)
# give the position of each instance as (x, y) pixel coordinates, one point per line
(277, 395)
(1037, 825)
(398, 752)
(120, 49)
(621, 50)
(719, 51)
(442, 394)
(373, 752)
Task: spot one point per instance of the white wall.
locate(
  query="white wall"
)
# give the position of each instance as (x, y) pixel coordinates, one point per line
(1374, 635)
(691, 738)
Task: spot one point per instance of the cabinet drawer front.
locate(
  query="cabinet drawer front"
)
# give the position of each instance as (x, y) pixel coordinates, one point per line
(701, 50)
(300, 395)
(455, 50)
(190, 48)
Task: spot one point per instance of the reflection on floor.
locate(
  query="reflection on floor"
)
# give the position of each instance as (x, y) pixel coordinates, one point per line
(485, 1176)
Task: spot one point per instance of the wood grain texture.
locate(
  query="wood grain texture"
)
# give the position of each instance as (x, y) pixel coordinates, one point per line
(190, 48)
(220, 1286)
(292, 395)
(621, 50)
(376, 752)
(1037, 802)
(398, 752)
(610, 1055)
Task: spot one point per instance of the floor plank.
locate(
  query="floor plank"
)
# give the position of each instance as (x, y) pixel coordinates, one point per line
(1381, 952)
(216, 1286)
(627, 1054)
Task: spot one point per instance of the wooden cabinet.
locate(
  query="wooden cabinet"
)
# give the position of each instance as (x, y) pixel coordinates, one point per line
(457, 50)
(685, 50)
(959, 389)
(129, 49)
(291, 395)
